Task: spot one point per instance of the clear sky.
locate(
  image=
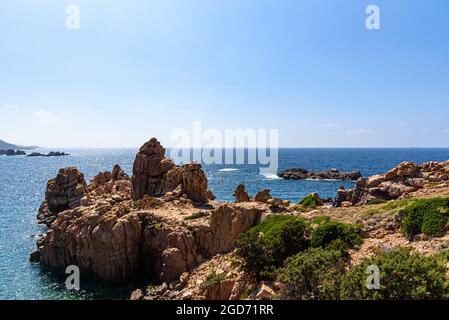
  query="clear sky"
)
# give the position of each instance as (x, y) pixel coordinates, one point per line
(309, 68)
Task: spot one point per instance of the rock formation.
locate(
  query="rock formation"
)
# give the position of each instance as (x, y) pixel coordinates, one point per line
(335, 174)
(194, 182)
(155, 175)
(63, 192)
(263, 196)
(12, 152)
(50, 154)
(116, 228)
(407, 177)
(240, 194)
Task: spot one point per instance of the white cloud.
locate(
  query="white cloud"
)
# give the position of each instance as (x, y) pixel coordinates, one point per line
(358, 131)
(44, 117)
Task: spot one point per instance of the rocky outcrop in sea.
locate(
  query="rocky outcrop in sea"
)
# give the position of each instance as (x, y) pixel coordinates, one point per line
(50, 154)
(332, 174)
(12, 152)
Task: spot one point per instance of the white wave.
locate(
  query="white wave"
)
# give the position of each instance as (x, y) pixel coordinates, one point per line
(271, 176)
(228, 170)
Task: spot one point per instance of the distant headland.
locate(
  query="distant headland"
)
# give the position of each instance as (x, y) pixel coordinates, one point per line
(10, 149)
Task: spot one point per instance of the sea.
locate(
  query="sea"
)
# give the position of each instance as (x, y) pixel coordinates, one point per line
(23, 181)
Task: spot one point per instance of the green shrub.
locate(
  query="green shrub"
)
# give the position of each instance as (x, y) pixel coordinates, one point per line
(321, 220)
(403, 275)
(309, 202)
(266, 246)
(434, 224)
(375, 201)
(330, 231)
(427, 216)
(312, 274)
(213, 279)
(196, 215)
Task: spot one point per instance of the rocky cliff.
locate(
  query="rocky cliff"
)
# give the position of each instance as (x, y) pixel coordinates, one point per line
(160, 223)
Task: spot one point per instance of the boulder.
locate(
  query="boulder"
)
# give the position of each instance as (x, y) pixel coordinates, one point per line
(263, 196)
(240, 194)
(118, 173)
(63, 192)
(155, 175)
(194, 182)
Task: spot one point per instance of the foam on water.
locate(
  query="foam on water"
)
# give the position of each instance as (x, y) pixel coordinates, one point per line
(228, 170)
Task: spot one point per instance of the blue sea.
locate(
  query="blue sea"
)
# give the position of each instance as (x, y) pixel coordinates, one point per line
(23, 181)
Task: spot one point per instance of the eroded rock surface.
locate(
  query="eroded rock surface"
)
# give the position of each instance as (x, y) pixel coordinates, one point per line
(112, 233)
(155, 175)
(404, 179)
(240, 194)
(62, 193)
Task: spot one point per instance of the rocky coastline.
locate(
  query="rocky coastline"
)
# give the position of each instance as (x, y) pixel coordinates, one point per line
(165, 224)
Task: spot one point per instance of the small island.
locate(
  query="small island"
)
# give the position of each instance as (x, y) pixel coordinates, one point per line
(50, 154)
(332, 174)
(12, 152)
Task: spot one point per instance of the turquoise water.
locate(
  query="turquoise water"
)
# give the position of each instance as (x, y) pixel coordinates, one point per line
(23, 181)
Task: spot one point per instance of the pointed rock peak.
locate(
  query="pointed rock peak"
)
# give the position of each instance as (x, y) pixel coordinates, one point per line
(153, 146)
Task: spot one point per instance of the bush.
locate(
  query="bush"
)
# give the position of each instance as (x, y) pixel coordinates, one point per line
(266, 246)
(427, 216)
(309, 202)
(403, 275)
(313, 274)
(212, 280)
(330, 231)
(375, 201)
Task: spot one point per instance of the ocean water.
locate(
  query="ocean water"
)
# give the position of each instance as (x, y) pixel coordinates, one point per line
(23, 181)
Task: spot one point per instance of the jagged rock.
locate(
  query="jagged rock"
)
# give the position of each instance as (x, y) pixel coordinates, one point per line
(404, 179)
(35, 256)
(137, 295)
(264, 292)
(114, 239)
(118, 173)
(63, 192)
(104, 245)
(263, 196)
(301, 174)
(149, 171)
(240, 194)
(155, 175)
(194, 182)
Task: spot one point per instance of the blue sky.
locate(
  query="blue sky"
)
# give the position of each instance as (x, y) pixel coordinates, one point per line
(140, 68)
